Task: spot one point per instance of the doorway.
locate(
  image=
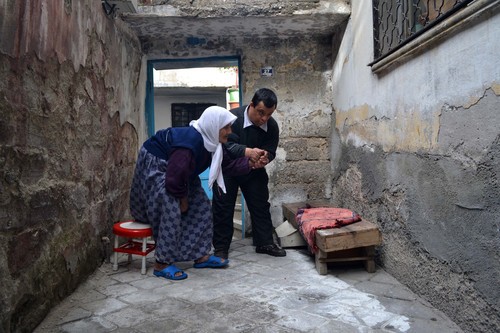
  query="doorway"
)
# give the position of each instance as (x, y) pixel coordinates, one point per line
(179, 90)
(198, 82)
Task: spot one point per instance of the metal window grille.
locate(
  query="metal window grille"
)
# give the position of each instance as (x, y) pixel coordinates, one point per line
(396, 22)
(183, 113)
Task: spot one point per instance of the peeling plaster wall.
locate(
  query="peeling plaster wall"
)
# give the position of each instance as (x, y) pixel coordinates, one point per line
(70, 106)
(416, 149)
(302, 82)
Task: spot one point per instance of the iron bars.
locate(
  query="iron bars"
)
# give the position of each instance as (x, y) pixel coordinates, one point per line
(396, 22)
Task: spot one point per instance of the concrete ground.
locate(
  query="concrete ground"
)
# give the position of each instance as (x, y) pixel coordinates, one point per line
(256, 293)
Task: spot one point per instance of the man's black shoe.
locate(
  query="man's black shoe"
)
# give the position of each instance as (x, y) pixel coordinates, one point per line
(221, 254)
(272, 250)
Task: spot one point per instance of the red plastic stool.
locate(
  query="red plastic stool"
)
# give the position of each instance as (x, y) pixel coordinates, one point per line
(132, 231)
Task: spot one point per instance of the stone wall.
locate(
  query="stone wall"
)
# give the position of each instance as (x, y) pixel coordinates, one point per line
(68, 96)
(416, 149)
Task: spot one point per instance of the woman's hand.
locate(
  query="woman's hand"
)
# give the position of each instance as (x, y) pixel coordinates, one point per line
(255, 165)
(254, 154)
(183, 203)
(262, 162)
(264, 159)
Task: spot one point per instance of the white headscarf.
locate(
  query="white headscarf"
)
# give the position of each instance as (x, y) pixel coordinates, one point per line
(211, 121)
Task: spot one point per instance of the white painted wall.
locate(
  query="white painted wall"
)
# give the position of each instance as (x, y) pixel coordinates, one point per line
(195, 78)
(163, 106)
(401, 109)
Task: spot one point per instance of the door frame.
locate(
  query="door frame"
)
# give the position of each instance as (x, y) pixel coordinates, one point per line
(219, 61)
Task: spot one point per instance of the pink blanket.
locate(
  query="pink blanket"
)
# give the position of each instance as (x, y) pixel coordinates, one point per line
(311, 219)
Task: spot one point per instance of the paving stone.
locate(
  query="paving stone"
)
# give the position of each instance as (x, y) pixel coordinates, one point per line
(48, 328)
(261, 296)
(330, 282)
(104, 306)
(353, 297)
(202, 295)
(94, 325)
(128, 317)
(290, 301)
(82, 296)
(150, 282)
(217, 274)
(231, 323)
(284, 285)
(167, 307)
(421, 325)
(260, 314)
(230, 303)
(338, 326)
(273, 329)
(413, 309)
(264, 259)
(252, 267)
(377, 317)
(75, 314)
(302, 321)
(142, 296)
(352, 275)
(127, 276)
(233, 254)
(304, 265)
(118, 289)
(163, 325)
(382, 276)
(387, 290)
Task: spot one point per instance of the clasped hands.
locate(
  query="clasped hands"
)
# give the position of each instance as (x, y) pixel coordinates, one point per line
(259, 158)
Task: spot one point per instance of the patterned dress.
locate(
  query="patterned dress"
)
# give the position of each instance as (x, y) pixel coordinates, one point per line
(178, 237)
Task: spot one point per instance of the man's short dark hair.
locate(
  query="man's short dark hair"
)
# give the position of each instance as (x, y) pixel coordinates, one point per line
(267, 96)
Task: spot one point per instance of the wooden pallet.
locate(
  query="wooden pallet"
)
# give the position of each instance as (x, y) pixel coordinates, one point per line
(353, 242)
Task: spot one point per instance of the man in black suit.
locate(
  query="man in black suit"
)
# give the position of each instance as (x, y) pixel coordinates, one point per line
(255, 134)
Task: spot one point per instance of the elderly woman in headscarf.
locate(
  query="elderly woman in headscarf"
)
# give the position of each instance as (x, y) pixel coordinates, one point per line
(167, 193)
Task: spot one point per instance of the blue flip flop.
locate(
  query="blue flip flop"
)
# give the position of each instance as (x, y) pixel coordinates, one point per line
(169, 273)
(212, 262)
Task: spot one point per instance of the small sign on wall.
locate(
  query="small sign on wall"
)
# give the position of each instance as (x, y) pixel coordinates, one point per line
(266, 71)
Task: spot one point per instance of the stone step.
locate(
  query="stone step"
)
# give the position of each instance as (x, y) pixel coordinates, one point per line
(237, 218)
(237, 226)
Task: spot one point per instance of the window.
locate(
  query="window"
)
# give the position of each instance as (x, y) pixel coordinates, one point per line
(396, 22)
(183, 113)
